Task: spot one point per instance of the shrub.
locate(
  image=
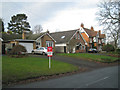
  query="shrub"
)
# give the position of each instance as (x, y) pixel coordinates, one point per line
(118, 50)
(108, 48)
(18, 50)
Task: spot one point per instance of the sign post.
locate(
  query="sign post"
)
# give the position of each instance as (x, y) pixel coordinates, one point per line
(49, 54)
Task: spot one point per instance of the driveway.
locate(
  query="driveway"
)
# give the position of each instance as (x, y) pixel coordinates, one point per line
(76, 61)
(100, 78)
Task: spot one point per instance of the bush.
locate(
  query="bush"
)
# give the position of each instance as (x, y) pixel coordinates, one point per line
(108, 48)
(118, 50)
(18, 50)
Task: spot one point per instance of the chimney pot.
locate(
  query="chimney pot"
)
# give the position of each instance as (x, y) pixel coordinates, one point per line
(82, 25)
(99, 32)
(47, 31)
(92, 28)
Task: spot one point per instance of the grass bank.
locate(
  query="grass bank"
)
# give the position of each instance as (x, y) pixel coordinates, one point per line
(17, 69)
(94, 57)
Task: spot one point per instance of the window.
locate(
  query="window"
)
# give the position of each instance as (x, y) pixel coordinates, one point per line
(77, 47)
(94, 39)
(78, 36)
(37, 44)
(84, 47)
(63, 37)
(49, 43)
(41, 48)
(90, 40)
(81, 47)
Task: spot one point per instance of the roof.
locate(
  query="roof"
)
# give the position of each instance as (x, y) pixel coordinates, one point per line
(35, 36)
(102, 36)
(7, 37)
(24, 40)
(91, 33)
(63, 37)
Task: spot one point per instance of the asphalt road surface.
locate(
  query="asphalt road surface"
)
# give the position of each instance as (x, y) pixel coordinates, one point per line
(106, 77)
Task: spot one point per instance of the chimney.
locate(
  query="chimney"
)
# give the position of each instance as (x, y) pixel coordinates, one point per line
(92, 28)
(82, 25)
(23, 35)
(47, 31)
(99, 32)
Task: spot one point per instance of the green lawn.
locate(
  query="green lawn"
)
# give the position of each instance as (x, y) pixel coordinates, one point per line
(100, 58)
(16, 69)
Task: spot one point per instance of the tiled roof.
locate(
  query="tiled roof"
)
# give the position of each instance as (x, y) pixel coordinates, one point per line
(102, 36)
(7, 37)
(91, 33)
(66, 34)
(35, 36)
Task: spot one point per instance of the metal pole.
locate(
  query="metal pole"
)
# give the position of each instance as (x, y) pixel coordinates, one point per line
(49, 63)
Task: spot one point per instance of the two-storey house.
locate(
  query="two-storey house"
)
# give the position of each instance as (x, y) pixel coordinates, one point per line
(93, 38)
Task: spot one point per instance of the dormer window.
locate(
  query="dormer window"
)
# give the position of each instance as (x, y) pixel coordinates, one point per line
(62, 37)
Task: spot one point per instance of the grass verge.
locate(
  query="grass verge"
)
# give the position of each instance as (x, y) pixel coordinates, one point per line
(17, 69)
(100, 58)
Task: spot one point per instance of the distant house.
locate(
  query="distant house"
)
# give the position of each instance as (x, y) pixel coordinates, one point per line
(93, 38)
(43, 40)
(7, 43)
(69, 41)
(72, 41)
(30, 42)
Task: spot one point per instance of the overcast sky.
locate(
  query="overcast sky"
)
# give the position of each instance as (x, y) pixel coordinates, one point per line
(55, 15)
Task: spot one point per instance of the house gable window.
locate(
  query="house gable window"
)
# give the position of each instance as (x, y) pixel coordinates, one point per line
(49, 43)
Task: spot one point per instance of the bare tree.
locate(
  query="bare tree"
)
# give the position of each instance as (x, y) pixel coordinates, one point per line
(109, 17)
(38, 29)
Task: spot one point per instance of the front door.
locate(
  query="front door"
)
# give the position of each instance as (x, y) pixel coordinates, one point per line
(64, 49)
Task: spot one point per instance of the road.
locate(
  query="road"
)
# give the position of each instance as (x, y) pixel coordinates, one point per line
(106, 77)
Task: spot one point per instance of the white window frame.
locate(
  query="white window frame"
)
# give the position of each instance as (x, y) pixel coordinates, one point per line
(90, 40)
(49, 43)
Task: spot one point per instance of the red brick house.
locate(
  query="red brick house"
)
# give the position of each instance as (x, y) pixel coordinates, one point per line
(93, 38)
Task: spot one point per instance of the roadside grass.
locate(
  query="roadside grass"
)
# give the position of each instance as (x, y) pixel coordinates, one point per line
(99, 58)
(17, 69)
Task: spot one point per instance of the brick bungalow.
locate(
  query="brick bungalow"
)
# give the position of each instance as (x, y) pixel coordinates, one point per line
(31, 42)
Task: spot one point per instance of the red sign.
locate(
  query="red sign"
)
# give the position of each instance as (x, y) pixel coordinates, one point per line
(49, 51)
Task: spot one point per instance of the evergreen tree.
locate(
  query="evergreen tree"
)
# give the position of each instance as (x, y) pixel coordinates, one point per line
(18, 24)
